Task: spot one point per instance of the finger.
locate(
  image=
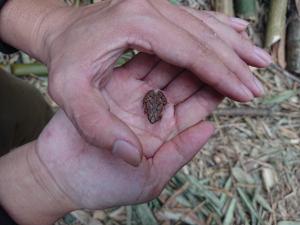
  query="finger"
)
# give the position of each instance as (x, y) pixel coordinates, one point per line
(92, 117)
(141, 64)
(182, 87)
(196, 108)
(245, 35)
(251, 54)
(180, 48)
(173, 155)
(237, 24)
(162, 74)
(208, 37)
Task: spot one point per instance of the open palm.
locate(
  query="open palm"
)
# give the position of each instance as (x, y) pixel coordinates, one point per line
(95, 178)
(189, 102)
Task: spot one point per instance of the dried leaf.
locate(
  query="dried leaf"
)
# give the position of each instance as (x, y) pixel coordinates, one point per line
(269, 178)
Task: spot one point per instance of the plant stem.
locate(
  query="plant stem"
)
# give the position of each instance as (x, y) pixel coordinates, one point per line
(276, 22)
(224, 6)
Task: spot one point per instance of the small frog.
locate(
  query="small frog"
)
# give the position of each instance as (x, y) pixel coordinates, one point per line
(154, 103)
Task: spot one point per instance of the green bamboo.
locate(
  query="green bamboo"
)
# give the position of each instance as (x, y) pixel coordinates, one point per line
(276, 22)
(25, 69)
(225, 7)
(246, 9)
(224, 196)
(230, 213)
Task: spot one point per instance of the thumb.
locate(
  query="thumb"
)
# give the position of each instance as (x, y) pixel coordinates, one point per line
(174, 154)
(91, 115)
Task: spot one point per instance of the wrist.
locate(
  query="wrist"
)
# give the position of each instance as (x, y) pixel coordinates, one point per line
(27, 190)
(25, 24)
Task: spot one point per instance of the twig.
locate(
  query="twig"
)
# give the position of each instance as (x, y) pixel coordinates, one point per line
(176, 194)
(273, 68)
(247, 111)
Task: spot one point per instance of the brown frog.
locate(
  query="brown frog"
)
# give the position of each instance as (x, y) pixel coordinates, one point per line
(154, 103)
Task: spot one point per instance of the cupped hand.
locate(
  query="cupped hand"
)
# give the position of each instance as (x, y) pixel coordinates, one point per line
(93, 177)
(82, 50)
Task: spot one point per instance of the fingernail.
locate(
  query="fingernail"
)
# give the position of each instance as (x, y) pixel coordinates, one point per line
(127, 152)
(263, 56)
(247, 92)
(239, 23)
(259, 86)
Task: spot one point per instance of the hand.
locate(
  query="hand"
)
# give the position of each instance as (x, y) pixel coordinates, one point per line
(60, 172)
(88, 57)
(80, 47)
(93, 177)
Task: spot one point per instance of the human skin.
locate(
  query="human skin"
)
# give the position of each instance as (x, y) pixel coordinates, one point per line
(81, 45)
(60, 172)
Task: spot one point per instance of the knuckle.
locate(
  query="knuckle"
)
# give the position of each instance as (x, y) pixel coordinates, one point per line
(137, 38)
(139, 35)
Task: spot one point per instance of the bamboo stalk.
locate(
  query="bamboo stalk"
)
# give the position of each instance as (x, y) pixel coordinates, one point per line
(293, 46)
(25, 69)
(224, 6)
(276, 22)
(246, 9)
(297, 2)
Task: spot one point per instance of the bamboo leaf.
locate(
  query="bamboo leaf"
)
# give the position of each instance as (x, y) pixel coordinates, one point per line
(263, 202)
(145, 214)
(253, 213)
(276, 99)
(241, 176)
(175, 2)
(288, 223)
(242, 214)
(224, 196)
(230, 212)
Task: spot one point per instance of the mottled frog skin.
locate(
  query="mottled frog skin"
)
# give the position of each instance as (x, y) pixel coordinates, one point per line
(154, 103)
